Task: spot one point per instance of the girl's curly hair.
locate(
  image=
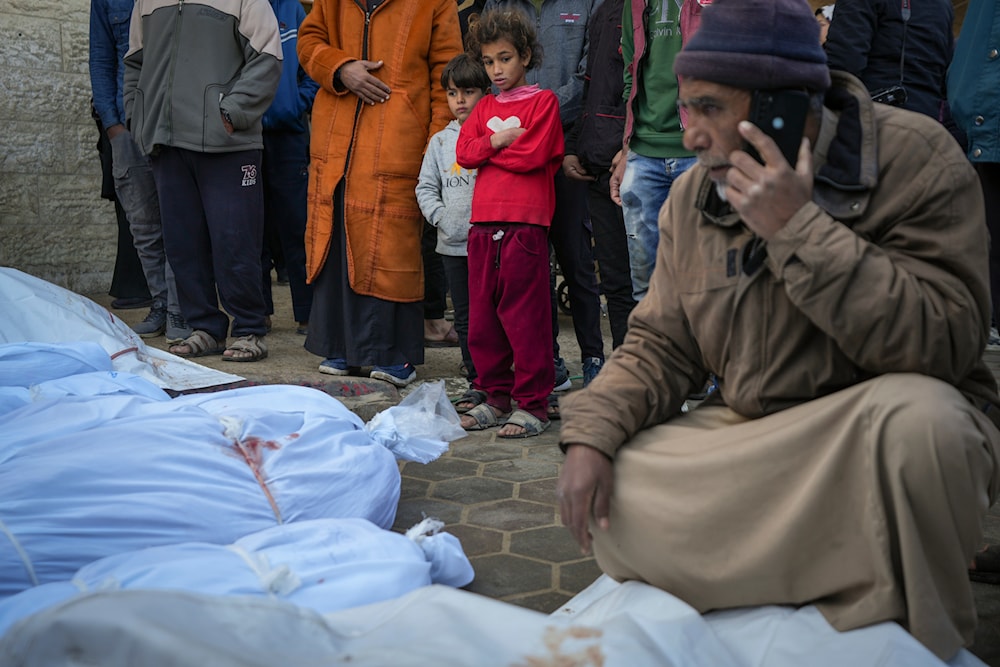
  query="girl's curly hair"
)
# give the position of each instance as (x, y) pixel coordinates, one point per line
(510, 25)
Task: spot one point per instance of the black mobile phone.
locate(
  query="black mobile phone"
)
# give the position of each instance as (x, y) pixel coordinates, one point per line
(781, 114)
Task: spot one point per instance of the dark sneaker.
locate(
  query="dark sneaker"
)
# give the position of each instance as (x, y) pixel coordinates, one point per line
(562, 382)
(177, 329)
(334, 367)
(591, 367)
(400, 375)
(154, 324)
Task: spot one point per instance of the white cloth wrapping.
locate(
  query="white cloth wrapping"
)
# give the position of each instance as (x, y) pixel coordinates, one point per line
(31, 372)
(628, 625)
(101, 463)
(324, 565)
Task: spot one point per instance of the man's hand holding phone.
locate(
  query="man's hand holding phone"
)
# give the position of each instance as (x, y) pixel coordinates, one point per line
(767, 195)
(781, 115)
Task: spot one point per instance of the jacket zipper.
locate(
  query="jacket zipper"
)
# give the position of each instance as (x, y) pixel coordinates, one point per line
(360, 104)
(173, 68)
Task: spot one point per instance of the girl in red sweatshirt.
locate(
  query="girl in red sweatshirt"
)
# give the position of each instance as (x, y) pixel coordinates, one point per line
(515, 140)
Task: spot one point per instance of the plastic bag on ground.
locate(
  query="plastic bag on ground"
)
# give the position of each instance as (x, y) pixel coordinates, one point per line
(421, 426)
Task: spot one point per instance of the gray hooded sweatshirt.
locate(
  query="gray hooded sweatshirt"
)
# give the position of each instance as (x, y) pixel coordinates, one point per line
(444, 192)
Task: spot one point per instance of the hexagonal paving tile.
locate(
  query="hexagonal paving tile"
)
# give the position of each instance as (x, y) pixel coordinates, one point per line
(512, 515)
(540, 491)
(413, 488)
(411, 512)
(520, 470)
(476, 541)
(574, 577)
(552, 543)
(553, 454)
(472, 490)
(474, 450)
(504, 575)
(548, 439)
(444, 468)
(487, 503)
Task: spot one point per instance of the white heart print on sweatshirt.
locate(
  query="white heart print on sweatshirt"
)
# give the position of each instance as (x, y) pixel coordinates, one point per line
(497, 124)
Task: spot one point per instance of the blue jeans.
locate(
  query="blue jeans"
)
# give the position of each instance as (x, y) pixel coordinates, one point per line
(644, 188)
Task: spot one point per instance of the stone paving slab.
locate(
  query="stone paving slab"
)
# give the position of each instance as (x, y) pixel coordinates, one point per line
(510, 525)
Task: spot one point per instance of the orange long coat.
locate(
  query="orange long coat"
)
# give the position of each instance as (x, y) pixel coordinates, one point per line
(377, 148)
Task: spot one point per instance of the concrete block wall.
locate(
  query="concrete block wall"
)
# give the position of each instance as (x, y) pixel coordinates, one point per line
(53, 223)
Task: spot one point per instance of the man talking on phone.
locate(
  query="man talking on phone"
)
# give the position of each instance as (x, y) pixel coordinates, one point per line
(851, 449)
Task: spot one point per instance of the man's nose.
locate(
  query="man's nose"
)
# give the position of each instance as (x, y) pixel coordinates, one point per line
(694, 139)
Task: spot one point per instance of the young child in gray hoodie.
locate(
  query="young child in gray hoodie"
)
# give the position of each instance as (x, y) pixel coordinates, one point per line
(444, 192)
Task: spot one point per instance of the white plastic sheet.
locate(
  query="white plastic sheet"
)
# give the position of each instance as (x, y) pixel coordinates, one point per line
(765, 636)
(38, 311)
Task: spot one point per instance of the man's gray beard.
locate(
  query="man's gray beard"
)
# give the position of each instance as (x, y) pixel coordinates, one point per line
(720, 189)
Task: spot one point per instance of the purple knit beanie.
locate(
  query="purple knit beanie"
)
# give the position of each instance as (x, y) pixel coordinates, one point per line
(756, 44)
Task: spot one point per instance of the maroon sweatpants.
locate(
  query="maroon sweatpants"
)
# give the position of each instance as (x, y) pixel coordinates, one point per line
(510, 318)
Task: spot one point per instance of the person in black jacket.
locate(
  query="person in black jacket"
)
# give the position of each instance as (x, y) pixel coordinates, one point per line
(590, 148)
(467, 8)
(866, 39)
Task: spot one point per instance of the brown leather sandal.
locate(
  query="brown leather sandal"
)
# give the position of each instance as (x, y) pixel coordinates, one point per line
(199, 344)
(246, 348)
